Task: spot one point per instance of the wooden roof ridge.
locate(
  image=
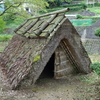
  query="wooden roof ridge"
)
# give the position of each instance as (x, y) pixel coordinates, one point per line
(51, 13)
(42, 26)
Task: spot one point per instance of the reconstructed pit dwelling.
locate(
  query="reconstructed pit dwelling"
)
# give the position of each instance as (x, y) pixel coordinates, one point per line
(47, 41)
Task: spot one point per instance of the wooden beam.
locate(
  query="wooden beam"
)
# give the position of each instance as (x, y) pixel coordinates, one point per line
(31, 26)
(55, 25)
(46, 24)
(70, 56)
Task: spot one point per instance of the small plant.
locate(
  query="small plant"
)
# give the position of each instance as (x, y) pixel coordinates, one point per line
(34, 89)
(83, 78)
(97, 32)
(96, 68)
(36, 58)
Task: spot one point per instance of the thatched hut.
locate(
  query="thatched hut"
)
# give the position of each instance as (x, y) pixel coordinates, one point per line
(46, 41)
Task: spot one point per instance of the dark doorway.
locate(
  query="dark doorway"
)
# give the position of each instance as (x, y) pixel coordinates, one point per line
(48, 71)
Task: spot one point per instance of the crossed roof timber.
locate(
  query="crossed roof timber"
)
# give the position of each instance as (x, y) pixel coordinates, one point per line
(44, 21)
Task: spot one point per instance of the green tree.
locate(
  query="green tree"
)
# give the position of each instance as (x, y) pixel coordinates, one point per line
(15, 13)
(16, 7)
(57, 3)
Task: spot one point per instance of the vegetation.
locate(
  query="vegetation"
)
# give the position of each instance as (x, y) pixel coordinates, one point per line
(2, 24)
(95, 10)
(73, 7)
(94, 18)
(16, 7)
(36, 58)
(97, 4)
(96, 67)
(5, 37)
(57, 3)
(15, 11)
(87, 17)
(97, 32)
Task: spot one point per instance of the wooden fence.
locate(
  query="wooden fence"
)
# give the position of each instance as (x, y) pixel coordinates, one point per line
(92, 46)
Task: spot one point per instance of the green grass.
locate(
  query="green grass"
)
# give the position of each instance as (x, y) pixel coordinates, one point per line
(5, 37)
(95, 10)
(96, 68)
(94, 18)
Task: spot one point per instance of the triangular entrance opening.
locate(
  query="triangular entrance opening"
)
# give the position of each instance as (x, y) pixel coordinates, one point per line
(48, 71)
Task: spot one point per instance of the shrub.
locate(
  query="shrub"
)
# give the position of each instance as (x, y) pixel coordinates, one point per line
(84, 6)
(76, 8)
(97, 4)
(97, 32)
(53, 9)
(79, 16)
(90, 5)
(71, 5)
(96, 67)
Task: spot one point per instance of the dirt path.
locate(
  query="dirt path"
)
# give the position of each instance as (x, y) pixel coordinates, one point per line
(74, 87)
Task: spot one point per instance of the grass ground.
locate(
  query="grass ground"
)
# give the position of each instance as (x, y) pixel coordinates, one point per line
(95, 10)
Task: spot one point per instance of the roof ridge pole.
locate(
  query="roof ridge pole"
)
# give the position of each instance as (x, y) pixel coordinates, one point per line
(51, 13)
